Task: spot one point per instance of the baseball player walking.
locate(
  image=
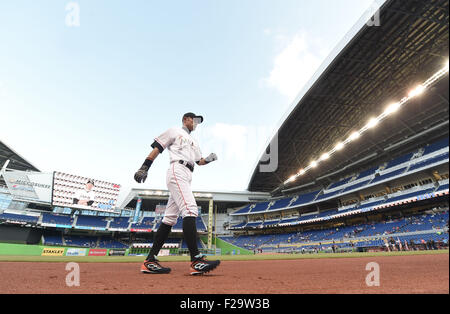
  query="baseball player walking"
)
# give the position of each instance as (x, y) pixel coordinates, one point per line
(184, 153)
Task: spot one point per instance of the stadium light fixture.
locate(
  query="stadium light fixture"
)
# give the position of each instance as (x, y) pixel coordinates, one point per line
(417, 91)
(392, 108)
(339, 146)
(325, 156)
(355, 135)
(292, 178)
(372, 123)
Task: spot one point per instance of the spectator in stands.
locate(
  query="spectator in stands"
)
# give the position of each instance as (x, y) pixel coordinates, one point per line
(386, 243)
(432, 245)
(412, 245)
(392, 243)
(400, 244)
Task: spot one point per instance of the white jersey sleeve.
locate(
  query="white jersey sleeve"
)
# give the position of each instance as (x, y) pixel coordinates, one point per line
(167, 138)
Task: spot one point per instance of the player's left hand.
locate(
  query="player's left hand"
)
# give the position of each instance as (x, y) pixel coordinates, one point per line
(141, 175)
(212, 157)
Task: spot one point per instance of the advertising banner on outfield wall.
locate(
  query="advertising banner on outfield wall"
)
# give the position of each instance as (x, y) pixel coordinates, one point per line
(52, 252)
(117, 252)
(29, 186)
(76, 252)
(97, 252)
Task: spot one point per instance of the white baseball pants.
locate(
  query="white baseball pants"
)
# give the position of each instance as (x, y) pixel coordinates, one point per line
(181, 199)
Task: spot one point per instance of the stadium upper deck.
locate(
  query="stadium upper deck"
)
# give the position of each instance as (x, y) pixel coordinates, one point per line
(371, 68)
(17, 162)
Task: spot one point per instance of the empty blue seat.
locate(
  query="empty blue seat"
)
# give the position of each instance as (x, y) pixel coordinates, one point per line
(282, 203)
(367, 173)
(399, 160)
(305, 199)
(427, 162)
(260, 207)
(436, 146)
(388, 175)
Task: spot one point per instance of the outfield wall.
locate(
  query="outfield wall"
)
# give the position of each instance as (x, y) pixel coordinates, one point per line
(228, 248)
(42, 250)
(20, 235)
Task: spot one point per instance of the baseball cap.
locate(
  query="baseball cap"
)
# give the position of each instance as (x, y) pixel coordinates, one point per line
(193, 116)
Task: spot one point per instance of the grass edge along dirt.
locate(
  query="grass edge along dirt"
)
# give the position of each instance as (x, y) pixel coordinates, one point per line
(137, 259)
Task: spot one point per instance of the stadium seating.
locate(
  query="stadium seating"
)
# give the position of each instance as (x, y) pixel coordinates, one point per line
(54, 219)
(400, 166)
(405, 196)
(260, 207)
(340, 183)
(370, 205)
(19, 218)
(92, 222)
(271, 223)
(367, 173)
(433, 223)
(179, 225)
(256, 224)
(146, 223)
(239, 225)
(288, 221)
(184, 244)
(399, 161)
(436, 146)
(201, 227)
(243, 210)
(55, 240)
(305, 199)
(328, 195)
(427, 162)
(109, 243)
(389, 175)
(81, 241)
(282, 203)
(119, 223)
(441, 188)
(356, 186)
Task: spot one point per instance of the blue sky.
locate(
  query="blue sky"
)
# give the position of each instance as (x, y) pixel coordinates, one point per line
(89, 99)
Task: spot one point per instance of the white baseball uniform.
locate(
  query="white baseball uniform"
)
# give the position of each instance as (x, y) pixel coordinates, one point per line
(182, 147)
(84, 195)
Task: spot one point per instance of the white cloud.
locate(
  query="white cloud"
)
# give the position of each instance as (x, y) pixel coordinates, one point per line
(237, 146)
(295, 64)
(233, 142)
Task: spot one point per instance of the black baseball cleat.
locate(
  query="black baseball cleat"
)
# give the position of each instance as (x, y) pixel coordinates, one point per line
(153, 267)
(201, 266)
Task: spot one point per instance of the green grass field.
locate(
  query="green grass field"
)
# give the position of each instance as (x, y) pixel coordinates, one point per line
(137, 259)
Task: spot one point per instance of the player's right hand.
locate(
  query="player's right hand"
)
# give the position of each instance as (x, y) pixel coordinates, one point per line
(141, 175)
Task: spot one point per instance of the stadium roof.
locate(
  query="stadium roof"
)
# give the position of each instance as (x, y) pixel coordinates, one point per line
(17, 162)
(372, 67)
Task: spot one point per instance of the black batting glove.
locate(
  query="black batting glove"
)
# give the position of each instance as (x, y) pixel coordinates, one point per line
(141, 175)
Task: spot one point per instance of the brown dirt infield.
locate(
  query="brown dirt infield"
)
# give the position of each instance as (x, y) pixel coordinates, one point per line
(398, 274)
